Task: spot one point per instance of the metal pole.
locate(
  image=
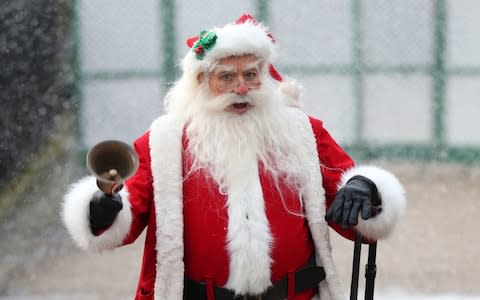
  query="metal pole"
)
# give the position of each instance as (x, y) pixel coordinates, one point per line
(168, 15)
(357, 68)
(356, 266)
(370, 271)
(262, 11)
(438, 73)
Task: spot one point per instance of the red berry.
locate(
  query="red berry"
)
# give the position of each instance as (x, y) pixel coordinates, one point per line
(199, 50)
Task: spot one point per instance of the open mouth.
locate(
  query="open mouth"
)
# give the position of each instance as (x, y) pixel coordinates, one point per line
(238, 108)
(240, 105)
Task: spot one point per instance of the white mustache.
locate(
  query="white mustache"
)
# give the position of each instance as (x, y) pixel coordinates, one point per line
(221, 102)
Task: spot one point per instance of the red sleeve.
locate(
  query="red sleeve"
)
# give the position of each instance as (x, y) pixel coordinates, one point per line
(333, 163)
(140, 189)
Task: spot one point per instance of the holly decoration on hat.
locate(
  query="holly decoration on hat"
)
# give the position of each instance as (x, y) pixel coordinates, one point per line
(206, 40)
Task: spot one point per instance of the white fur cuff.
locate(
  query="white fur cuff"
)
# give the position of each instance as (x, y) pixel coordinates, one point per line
(393, 201)
(75, 216)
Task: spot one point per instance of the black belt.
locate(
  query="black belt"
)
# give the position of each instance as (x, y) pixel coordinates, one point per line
(305, 278)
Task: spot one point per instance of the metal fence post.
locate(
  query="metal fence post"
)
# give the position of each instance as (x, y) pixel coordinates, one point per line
(262, 11)
(168, 42)
(357, 78)
(438, 74)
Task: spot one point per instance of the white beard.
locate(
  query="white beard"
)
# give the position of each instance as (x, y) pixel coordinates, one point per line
(230, 147)
(226, 145)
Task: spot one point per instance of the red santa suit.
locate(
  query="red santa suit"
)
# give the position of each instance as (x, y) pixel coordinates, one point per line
(262, 233)
(188, 223)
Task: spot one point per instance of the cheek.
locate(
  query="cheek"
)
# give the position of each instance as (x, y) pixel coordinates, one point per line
(214, 90)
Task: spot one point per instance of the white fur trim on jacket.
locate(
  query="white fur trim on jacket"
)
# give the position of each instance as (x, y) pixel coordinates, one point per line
(393, 201)
(314, 203)
(75, 215)
(166, 155)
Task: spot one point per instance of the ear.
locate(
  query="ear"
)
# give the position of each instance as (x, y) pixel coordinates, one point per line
(200, 77)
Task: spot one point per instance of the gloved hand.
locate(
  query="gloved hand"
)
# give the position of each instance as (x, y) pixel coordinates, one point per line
(103, 210)
(358, 195)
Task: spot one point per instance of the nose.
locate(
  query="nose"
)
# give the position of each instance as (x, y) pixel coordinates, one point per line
(241, 89)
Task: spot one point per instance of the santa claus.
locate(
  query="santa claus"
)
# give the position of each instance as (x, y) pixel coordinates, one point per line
(236, 185)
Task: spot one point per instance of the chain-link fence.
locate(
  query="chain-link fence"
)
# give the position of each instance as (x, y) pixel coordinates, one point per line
(395, 79)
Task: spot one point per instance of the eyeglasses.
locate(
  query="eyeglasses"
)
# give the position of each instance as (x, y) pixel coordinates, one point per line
(228, 81)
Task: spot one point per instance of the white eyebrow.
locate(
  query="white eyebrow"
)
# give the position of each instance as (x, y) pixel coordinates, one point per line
(223, 68)
(253, 65)
(227, 68)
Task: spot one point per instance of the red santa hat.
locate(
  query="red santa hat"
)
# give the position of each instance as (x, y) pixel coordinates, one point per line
(245, 36)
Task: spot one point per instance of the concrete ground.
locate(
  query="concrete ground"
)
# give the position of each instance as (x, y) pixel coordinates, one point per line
(435, 250)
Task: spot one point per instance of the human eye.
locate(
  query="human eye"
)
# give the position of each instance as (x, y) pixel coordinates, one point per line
(251, 75)
(226, 76)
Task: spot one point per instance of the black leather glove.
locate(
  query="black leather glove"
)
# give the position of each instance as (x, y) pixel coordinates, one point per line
(359, 195)
(103, 210)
